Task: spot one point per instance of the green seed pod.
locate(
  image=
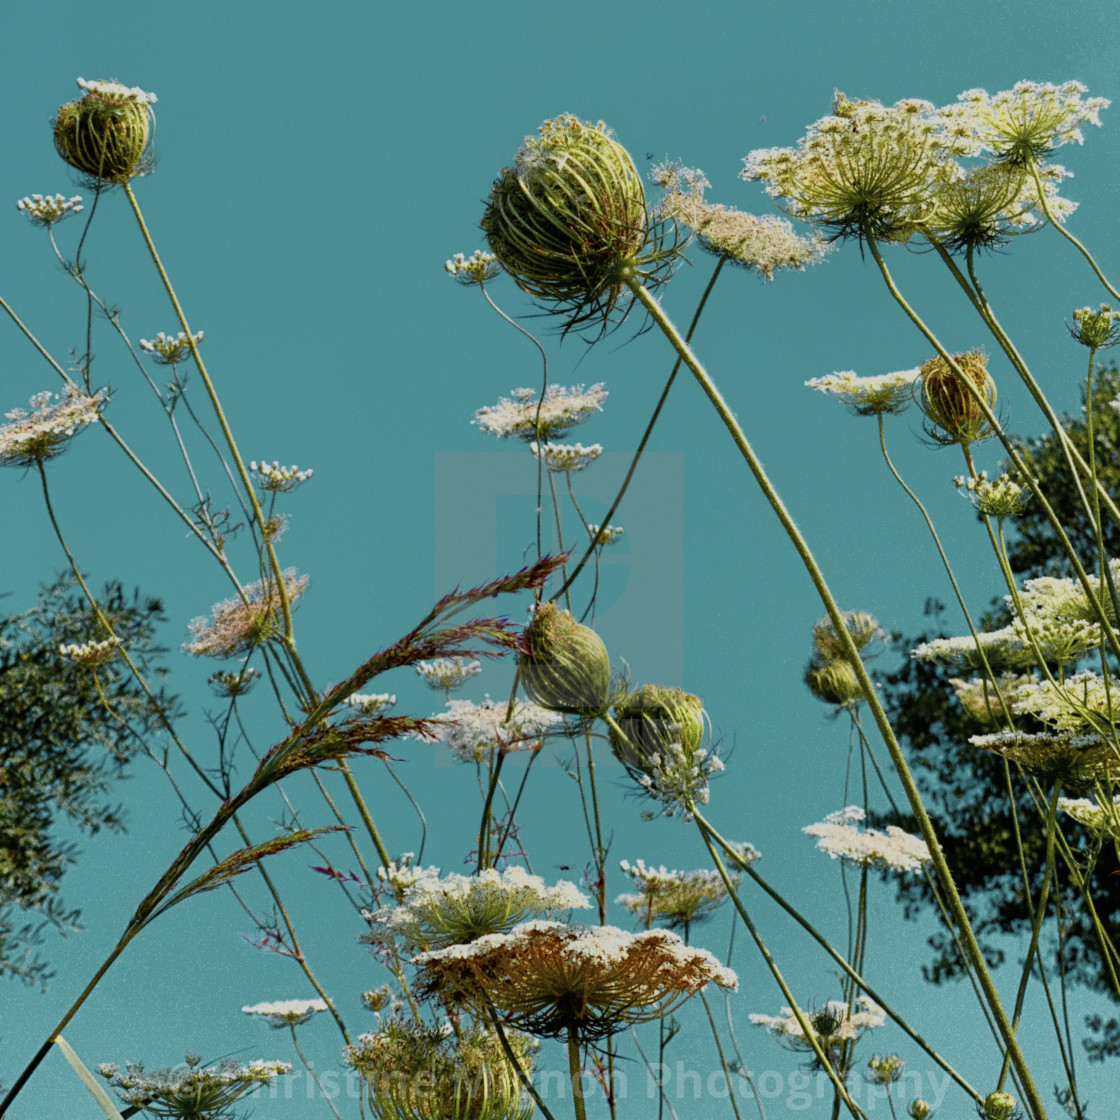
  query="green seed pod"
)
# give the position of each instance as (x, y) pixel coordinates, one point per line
(834, 682)
(652, 718)
(999, 1106)
(568, 221)
(860, 625)
(567, 668)
(953, 413)
(105, 133)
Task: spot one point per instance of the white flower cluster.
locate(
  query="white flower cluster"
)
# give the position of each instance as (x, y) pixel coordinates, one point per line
(272, 476)
(169, 351)
(603, 535)
(370, 703)
(40, 434)
(680, 897)
(476, 269)
(1103, 819)
(472, 731)
(438, 912)
(45, 211)
(1002, 648)
(287, 1012)
(678, 778)
(1077, 704)
(447, 673)
(115, 89)
(893, 850)
(869, 396)
(525, 417)
(1002, 498)
(832, 1024)
(188, 1090)
(567, 456)
(90, 654)
(403, 872)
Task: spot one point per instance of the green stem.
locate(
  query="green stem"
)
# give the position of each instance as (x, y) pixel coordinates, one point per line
(575, 1071)
(511, 1057)
(722, 1059)
(941, 866)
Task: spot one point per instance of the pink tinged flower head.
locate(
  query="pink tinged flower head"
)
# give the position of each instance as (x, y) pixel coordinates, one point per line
(236, 626)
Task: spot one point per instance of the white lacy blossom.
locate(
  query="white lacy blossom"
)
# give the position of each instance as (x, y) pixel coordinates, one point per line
(168, 350)
(402, 873)
(371, 703)
(894, 849)
(90, 654)
(868, 396)
(472, 731)
(287, 1012)
(603, 535)
(525, 417)
(435, 913)
(446, 673)
(1098, 817)
(115, 89)
(476, 269)
(272, 476)
(45, 211)
(679, 778)
(567, 456)
(32, 437)
(832, 1024)
(678, 897)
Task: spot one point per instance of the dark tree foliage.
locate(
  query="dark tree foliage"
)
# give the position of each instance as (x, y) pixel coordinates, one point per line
(65, 734)
(965, 788)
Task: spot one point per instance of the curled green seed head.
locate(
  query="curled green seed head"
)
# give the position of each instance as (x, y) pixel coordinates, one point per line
(566, 667)
(106, 133)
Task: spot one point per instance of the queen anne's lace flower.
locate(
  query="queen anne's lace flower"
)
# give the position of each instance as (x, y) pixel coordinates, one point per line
(585, 982)
(473, 731)
(476, 269)
(888, 393)
(272, 476)
(447, 673)
(287, 1012)
(187, 1091)
(677, 898)
(893, 850)
(236, 627)
(371, 703)
(41, 434)
(90, 654)
(435, 913)
(1003, 497)
(1077, 760)
(402, 873)
(525, 417)
(167, 350)
(1098, 817)
(603, 535)
(833, 1024)
(678, 778)
(567, 457)
(53, 208)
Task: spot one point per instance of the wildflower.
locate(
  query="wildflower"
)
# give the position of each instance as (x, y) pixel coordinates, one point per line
(678, 778)
(999, 1106)
(377, 999)
(447, 673)
(887, 393)
(894, 850)
(287, 1012)
(833, 1026)
(237, 626)
(565, 667)
(370, 704)
(479, 268)
(861, 627)
(678, 898)
(402, 873)
(885, 1069)
(1078, 760)
(187, 1091)
(1096, 329)
(91, 654)
(568, 221)
(473, 731)
(919, 1109)
(229, 685)
(1003, 649)
(984, 208)
(1079, 704)
(46, 211)
(105, 134)
(953, 411)
(1002, 498)
(169, 351)
(979, 699)
(583, 982)
(761, 244)
(457, 909)
(603, 535)
(867, 169)
(41, 434)
(531, 419)
(568, 457)
(416, 1072)
(834, 682)
(272, 476)
(1101, 819)
(1025, 124)
(650, 719)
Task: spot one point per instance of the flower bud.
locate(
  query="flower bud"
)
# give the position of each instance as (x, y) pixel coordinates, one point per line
(650, 720)
(569, 220)
(954, 413)
(105, 133)
(919, 1109)
(834, 682)
(999, 1106)
(567, 668)
(860, 625)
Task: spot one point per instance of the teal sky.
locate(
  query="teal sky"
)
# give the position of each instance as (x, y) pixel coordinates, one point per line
(316, 166)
